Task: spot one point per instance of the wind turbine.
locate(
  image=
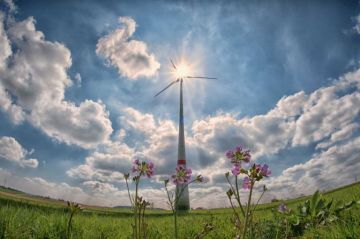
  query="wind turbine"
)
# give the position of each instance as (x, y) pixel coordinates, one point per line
(181, 74)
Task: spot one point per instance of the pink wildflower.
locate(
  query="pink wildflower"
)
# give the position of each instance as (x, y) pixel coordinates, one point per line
(239, 155)
(236, 170)
(282, 208)
(229, 154)
(246, 183)
(143, 168)
(182, 175)
(265, 171)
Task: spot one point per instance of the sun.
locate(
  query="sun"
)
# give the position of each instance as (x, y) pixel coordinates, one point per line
(182, 70)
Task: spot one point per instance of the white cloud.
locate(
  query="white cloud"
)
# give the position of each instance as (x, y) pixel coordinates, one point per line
(12, 151)
(10, 4)
(5, 48)
(33, 80)
(93, 193)
(357, 26)
(225, 131)
(340, 135)
(86, 125)
(78, 79)
(157, 143)
(42, 187)
(130, 57)
(325, 113)
(297, 119)
(337, 166)
(207, 196)
(99, 187)
(290, 106)
(15, 112)
(107, 163)
(138, 121)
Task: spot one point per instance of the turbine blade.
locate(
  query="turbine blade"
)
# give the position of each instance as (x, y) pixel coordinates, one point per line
(175, 81)
(172, 63)
(200, 77)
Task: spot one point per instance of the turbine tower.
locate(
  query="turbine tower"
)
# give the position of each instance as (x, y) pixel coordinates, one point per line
(183, 202)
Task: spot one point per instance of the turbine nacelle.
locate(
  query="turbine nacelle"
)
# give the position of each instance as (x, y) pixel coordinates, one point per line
(181, 72)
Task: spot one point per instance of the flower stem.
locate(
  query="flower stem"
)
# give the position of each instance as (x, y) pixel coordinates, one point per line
(136, 235)
(128, 190)
(143, 222)
(257, 203)
(177, 197)
(175, 223)
(238, 196)
(175, 214)
(247, 216)
(139, 220)
(69, 225)
(173, 209)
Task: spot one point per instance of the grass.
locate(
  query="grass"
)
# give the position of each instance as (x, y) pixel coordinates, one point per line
(26, 216)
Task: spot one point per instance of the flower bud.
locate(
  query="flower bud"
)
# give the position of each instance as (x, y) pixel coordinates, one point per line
(230, 193)
(200, 179)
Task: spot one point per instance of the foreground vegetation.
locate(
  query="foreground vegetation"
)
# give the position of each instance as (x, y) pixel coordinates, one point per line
(22, 216)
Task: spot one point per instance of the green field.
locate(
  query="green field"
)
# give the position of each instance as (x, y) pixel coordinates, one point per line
(26, 216)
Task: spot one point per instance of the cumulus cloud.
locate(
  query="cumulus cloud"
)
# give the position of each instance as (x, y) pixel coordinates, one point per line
(222, 131)
(131, 57)
(298, 119)
(11, 5)
(107, 163)
(336, 166)
(33, 80)
(325, 113)
(136, 120)
(78, 79)
(15, 112)
(157, 143)
(100, 187)
(12, 151)
(5, 48)
(42, 187)
(357, 25)
(92, 192)
(86, 125)
(340, 135)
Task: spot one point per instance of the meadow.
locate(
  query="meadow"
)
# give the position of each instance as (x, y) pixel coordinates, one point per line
(26, 216)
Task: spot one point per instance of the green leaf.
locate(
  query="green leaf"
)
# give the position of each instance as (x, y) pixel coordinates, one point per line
(314, 202)
(320, 205)
(328, 205)
(349, 204)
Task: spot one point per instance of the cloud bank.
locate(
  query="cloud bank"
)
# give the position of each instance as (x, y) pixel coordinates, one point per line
(131, 57)
(12, 151)
(326, 118)
(33, 80)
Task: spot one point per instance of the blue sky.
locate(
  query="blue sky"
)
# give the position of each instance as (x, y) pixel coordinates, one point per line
(78, 79)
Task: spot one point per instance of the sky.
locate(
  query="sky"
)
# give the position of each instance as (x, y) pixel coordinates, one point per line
(77, 82)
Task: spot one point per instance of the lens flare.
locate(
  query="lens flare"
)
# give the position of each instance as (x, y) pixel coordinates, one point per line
(182, 70)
